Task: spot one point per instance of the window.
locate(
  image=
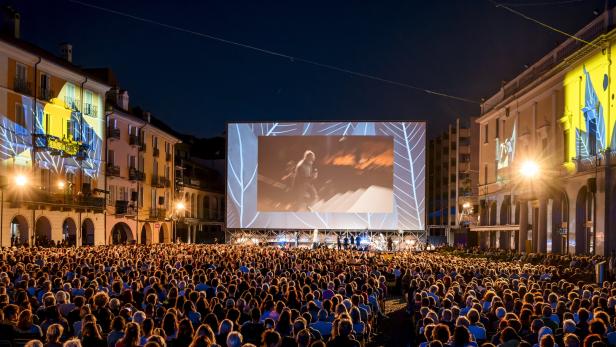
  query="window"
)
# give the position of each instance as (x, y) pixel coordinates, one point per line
(20, 117)
(140, 197)
(87, 103)
(167, 171)
(110, 157)
(21, 72)
(167, 147)
(497, 130)
(132, 161)
(485, 133)
(485, 174)
(123, 194)
(153, 198)
(155, 168)
(566, 146)
(45, 86)
(112, 195)
(154, 142)
(141, 163)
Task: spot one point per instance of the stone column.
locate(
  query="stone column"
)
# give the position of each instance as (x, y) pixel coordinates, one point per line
(542, 228)
(523, 227)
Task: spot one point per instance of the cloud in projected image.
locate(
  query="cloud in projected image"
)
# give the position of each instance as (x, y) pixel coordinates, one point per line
(366, 161)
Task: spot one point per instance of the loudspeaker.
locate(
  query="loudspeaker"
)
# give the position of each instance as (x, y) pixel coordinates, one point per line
(592, 184)
(134, 196)
(161, 200)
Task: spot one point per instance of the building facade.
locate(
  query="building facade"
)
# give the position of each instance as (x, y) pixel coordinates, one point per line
(201, 187)
(51, 139)
(453, 162)
(546, 152)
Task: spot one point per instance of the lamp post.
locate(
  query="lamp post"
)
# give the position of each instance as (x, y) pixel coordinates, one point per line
(179, 207)
(529, 170)
(20, 181)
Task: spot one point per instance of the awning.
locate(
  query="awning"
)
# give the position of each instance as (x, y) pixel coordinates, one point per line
(508, 227)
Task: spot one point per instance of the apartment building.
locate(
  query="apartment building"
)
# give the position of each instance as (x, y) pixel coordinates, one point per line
(201, 187)
(453, 178)
(51, 139)
(546, 152)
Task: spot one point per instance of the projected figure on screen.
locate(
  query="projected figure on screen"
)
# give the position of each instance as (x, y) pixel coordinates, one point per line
(304, 191)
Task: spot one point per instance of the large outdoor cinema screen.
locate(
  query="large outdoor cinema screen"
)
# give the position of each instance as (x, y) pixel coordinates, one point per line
(326, 175)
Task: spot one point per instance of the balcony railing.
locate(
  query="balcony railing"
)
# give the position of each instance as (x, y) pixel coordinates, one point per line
(46, 94)
(22, 86)
(71, 102)
(113, 170)
(37, 198)
(113, 133)
(160, 181)
(121, 206)
(158, 213)
(90, 110)
(155, 151)
(135, 175)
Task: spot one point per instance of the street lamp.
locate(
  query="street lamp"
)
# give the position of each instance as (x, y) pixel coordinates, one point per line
(179, 207)
(61, 184)
(20, 181)
(529, 169)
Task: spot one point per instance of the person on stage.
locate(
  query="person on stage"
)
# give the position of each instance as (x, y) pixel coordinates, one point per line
(304, 192)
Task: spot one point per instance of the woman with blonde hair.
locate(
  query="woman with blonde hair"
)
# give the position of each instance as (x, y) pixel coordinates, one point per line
(54, 333)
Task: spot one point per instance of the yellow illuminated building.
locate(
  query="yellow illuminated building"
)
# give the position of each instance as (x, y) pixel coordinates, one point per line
(558, 115)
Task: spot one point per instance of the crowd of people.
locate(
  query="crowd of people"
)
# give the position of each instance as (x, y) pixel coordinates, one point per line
(230, 296)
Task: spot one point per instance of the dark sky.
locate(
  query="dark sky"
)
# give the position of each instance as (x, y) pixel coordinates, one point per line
(463, 48)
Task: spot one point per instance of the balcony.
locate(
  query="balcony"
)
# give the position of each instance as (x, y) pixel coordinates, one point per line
(113, 170)
(167, 156)
(71, 102)
(158, 213)
(90, 110)
(155, 151)
(121, 206)
(160, 182)
(47, 94)
(22, 86)
(113, 133)
(133, 140)
(37, 199)
(135, 175)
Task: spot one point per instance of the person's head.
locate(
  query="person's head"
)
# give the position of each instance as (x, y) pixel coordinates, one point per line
(461, 335)
(24, 321)
(34, 343)
(271, 338)
(441, 333)
(303, 338)
(72, 343)
(309, 156)
(234, 339)
(345, 327)
(547, 341)
(54, 332)
(571, 340)
(118, 323)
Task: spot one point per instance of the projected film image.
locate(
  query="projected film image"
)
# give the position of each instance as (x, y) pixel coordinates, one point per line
(326, 175)
(342, 174)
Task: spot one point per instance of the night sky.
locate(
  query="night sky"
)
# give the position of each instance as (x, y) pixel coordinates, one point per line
(464, 48)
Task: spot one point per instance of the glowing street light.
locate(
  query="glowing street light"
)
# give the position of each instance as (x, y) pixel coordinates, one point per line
(180, 206)
(61, 184)
(466, 205)
(529, 169)
(21, 180)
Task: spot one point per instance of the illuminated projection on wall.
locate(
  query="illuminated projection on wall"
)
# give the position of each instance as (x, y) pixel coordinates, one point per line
(505, 151)
(586, 92)
(326, 175)
(64, 139)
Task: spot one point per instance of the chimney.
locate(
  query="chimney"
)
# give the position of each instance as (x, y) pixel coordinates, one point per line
(123, 100)
(148, 116)
(66, 52)
(10, 21)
